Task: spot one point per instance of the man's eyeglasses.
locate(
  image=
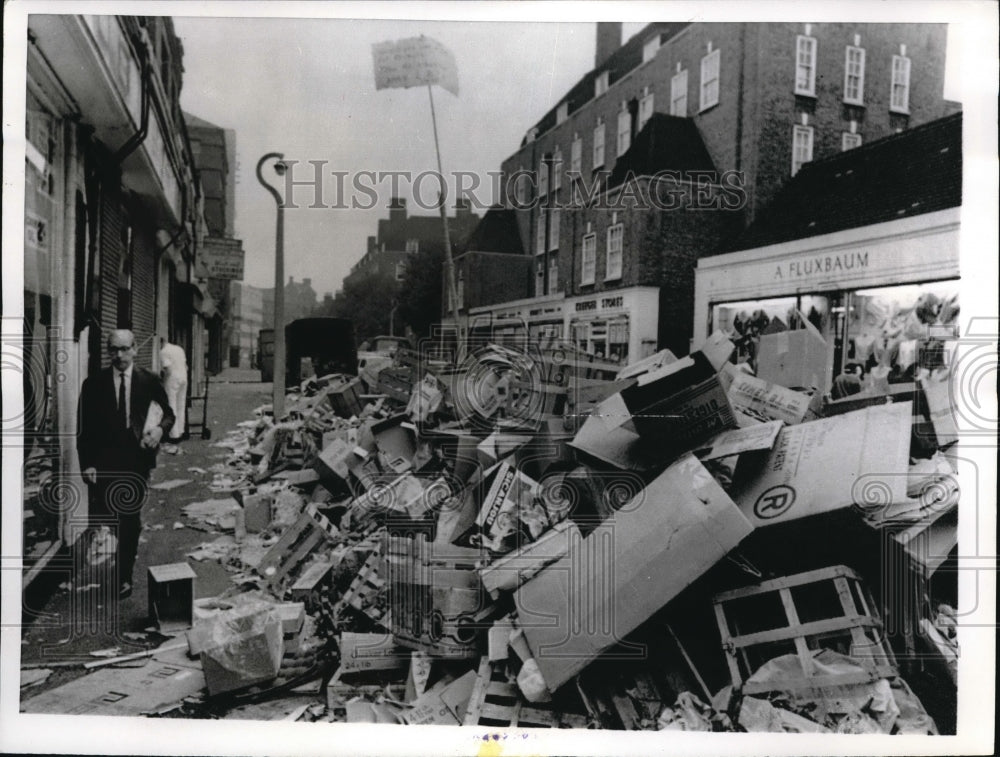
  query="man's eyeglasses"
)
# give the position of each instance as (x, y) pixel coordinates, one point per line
(118, 349)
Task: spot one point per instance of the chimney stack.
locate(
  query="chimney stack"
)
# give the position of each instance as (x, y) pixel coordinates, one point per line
(609, 39)
(397, 209)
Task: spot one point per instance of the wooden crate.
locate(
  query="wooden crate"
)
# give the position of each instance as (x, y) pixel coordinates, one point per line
(496, 701)
(296, 544)
(854, 618)
(171, 596)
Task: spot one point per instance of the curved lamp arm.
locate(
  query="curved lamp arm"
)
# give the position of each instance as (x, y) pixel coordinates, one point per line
(260, 176)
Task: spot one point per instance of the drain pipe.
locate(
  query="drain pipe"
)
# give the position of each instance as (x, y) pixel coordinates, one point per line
(139, 137)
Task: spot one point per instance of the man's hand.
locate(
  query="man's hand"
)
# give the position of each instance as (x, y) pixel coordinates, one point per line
(90, 475)
(151, 437)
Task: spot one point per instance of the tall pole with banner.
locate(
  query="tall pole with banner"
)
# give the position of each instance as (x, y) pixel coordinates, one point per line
(413, 62)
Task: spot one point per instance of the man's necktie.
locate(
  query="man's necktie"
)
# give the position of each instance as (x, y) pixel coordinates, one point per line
(122, 416)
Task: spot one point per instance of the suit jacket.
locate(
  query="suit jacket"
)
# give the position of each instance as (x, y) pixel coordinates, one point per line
(101, 443)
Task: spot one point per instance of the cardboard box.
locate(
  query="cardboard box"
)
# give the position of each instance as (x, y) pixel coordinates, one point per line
(310, 580)
(171, 596)
(396, 441)
(257, 512)
(443, 704)
(794, 359)
(765, 401)
(425, 400)
(371, 651)
(513, 569)
(627, 569)
(678, 406)
(344, 396)
(828, 464)
(755, 438)
(508, 494)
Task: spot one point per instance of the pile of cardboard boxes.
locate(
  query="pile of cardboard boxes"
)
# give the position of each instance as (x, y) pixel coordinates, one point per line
(466, 549)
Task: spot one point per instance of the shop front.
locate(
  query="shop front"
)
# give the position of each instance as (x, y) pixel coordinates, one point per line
(619, 326)
(881, 295)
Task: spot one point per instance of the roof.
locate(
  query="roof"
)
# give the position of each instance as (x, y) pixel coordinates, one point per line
(497, 232)
(199, 123)
(911, 173)
(619, 63)
(666, 143)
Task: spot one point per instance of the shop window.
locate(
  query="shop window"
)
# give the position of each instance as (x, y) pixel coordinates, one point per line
(645, 107)
(900, 97)
(679, 94)
(557, 167)
(613, 260)
(599, 144)
(854, 75)
(900, 329)
(802, 147)
(601, 84)
(588, 259)
(805, 65)
(709, 80)
(618, 341)
(553, 274)
(624, 140)
(576, 155)
(850, 141)
(554, 229)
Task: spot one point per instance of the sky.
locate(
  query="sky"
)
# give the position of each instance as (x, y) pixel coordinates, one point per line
(305, 87)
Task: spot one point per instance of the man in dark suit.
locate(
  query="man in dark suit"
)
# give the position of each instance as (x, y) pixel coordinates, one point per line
(116, 449)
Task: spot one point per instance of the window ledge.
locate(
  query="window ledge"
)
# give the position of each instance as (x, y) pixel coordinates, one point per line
(806, 94)
(899, 111)
(617, 277)
(853, 103)
(588, 283)
(707, 108)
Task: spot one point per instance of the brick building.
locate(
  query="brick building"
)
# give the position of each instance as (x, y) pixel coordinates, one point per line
(731, 111)
(401, 235)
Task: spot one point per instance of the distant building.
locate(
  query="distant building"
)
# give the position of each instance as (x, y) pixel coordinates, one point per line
(401, 235)
(247, 317)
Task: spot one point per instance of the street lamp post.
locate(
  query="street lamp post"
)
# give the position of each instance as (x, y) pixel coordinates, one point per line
(278, 396)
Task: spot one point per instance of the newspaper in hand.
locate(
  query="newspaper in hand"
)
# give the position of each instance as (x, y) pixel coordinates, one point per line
(154, 417)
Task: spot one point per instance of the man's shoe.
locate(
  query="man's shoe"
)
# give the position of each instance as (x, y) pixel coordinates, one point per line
(125, 591)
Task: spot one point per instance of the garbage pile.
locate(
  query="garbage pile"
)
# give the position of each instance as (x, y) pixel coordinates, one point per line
(518, 543)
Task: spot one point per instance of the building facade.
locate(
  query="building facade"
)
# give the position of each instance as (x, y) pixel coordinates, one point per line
(112, 222)
(247, 317)
(864, 245)
(213, 149)
(712, 119)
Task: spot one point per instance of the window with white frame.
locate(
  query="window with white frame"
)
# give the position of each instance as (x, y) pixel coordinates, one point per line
(709, 80)
(588, 258)
(543, 177)
(645, 107)
(553, 274)
(539, 278)
(805, 65)
(554, 229)
(601, 84)
(649, 49)
(854, 75)
(599, 143)
(413, 245)
(557, 170)
(679, 94)
(802, 147)
(900, 96)
(850, 141)
(613, 256)
(624, 130)
(576, 155)
(562, 112)
(540, 233)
